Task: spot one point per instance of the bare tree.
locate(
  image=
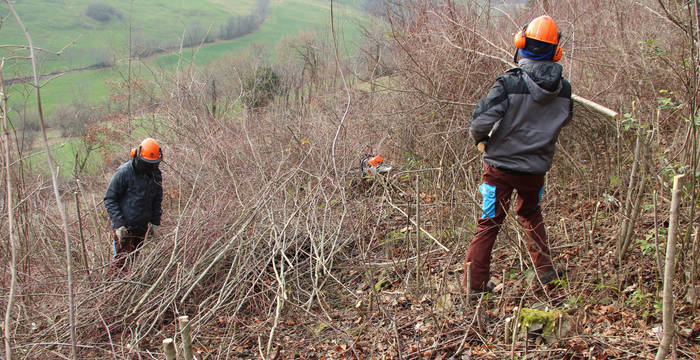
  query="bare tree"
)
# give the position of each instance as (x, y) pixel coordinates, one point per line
(59, 202)
(10, 216)
(668, 325)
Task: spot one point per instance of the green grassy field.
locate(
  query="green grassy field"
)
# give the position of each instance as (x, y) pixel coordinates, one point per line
(56, 24)
(286, 17)
(63, 153)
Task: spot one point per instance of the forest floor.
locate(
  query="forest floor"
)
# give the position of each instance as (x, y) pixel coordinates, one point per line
(383, 310)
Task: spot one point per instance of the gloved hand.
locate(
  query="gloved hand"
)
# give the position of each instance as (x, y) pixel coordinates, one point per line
(481, 144)
(153, 232)
(121, 233)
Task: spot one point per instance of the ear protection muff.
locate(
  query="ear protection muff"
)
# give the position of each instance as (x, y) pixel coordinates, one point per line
(137, 152)
(519, 38)
(558, 53)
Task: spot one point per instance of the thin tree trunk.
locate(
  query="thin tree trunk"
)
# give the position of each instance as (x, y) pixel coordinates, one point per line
(82, 238)
(128, 81)
(668, 326)
(697, 23)
(694, 270)
(10, 218)
(634, 216)
(169, 349)
(656, 243)
(186, 337)
(418, 257)
(627, 217)
(52, 168)
(213, 98)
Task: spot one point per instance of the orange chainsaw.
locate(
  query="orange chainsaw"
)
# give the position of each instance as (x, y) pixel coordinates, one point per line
(373, 165)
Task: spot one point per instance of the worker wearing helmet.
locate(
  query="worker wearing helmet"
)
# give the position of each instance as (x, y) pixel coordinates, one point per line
(133, 200)
(516, 127)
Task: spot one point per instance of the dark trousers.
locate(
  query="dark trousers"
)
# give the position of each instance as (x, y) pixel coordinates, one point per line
(125, 252)
(496, 190)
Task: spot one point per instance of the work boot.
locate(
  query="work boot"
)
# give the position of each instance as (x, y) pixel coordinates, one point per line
(549, 276)
(490, 285)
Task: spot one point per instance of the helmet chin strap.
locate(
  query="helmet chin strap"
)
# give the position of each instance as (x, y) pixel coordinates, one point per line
(515, 56)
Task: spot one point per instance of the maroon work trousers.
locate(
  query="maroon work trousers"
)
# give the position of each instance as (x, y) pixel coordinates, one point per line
(496, 190)
(125, 253)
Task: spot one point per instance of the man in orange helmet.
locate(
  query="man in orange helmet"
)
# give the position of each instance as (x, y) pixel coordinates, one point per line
(133, 200)
(516, 126)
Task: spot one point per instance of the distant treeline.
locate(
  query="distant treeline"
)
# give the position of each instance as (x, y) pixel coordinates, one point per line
(196, 34)
(400, 12)
(237, 26)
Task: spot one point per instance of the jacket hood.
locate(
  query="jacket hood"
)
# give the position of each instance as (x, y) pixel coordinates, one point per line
(543, 79)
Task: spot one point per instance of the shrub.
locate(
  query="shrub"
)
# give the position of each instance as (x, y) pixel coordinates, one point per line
(72, 119)
(261, 87)
(102, 12)
(101, 57)
(143, 45)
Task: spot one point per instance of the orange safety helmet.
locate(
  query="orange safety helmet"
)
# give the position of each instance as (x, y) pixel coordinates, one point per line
(148, 151)
(543, 29)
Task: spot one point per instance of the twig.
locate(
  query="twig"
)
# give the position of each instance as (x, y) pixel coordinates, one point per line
(260, 349)
(82, 238)
(628, 220)
(347, 92)
(460, 348)
(220, 254)
(414, 223)
(280, 297)
(694, 269)
(109, 335)
(594, 221)
(418, 255)
(468, 281)
(392, 263)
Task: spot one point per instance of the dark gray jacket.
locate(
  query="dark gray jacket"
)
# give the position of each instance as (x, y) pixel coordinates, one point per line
(522, 115)
(133, 200)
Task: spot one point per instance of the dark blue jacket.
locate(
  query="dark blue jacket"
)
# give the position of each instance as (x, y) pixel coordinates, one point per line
(134, 200)
(522, 117)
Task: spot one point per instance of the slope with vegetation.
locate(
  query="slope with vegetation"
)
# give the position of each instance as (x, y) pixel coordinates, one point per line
(275, 248)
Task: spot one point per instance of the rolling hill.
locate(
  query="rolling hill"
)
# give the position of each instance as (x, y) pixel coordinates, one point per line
(162, 24)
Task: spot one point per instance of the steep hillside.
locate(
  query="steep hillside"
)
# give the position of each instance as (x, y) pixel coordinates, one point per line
(275, 246)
